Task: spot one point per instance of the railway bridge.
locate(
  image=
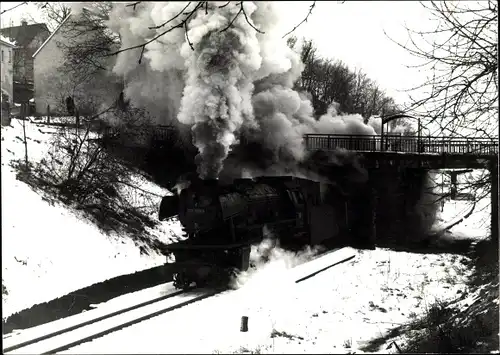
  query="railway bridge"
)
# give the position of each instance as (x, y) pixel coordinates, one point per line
(411, 151)
(392, 160)
(382, 155)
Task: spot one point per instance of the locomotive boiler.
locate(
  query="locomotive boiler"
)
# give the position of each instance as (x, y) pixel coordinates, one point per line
(222, 222)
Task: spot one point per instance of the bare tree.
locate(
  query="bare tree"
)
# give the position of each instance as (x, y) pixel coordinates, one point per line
(53, 13)
(88, 41)
(460, 97)
(331, 81)
(85, 42)
(183, 18)
(462, 56)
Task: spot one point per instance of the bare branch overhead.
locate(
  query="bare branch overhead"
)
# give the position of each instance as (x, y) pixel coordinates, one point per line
(461, 57)
(14, 7)
(311, 8)
(181, 24)
(183, 17)
(134, 4)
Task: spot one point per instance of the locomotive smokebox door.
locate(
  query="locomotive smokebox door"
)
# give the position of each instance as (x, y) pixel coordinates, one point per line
(169, 207)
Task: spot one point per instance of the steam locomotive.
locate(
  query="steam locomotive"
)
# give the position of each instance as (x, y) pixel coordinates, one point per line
(221, 222)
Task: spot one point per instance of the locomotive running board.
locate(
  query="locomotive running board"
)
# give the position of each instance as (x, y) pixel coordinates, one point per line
(323, 262)
(179, 246)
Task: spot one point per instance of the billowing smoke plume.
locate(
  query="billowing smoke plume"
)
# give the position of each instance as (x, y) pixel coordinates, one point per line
(344, 124)
(229, 78)
(219, 84)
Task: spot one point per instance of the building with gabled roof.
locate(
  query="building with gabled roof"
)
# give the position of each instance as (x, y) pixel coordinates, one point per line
(7, 83)
(52, 35)
(28, 38)
(53, 74)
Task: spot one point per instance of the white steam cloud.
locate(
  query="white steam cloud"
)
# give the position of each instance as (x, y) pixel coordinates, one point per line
(270, 283)
(222, 78)
(271, 263)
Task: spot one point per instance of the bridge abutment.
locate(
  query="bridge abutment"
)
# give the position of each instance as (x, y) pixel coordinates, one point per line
(399, 205)
(397, 183)
(372, 237)
(360, 219)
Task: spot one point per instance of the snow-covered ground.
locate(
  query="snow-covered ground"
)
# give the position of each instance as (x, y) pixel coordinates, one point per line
(49, 250)
(338, 310)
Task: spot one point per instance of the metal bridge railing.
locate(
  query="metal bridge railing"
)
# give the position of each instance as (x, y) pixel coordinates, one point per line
(403, 144)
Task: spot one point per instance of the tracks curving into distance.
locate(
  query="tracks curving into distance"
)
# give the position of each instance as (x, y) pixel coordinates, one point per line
(69, 332)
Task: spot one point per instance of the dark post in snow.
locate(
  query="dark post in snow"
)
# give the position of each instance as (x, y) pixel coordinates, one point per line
(244, 324)
(48, 114)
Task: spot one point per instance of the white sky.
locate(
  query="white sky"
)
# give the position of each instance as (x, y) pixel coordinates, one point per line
(352, 31)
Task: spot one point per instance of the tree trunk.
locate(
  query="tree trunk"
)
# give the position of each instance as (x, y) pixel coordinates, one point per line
(23, 117)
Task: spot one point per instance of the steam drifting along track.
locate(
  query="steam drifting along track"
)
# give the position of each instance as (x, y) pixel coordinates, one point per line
(68, 332)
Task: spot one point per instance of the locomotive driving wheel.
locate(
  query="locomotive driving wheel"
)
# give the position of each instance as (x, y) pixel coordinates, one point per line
(232, 272)
(181, 280)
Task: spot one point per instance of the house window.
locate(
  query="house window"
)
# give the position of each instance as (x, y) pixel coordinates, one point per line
(2, 55)
(10, 55)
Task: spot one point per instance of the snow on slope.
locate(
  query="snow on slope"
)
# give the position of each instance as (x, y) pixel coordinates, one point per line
(49, 250)
(476, 226)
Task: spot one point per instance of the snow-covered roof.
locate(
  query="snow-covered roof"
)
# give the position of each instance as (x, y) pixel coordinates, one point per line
(6, 41)
(51, 35)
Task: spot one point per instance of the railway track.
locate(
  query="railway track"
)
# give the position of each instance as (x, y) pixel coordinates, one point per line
(68, 332)
(71, 331)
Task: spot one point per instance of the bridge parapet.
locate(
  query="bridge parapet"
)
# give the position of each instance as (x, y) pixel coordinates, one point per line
(403, 144)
